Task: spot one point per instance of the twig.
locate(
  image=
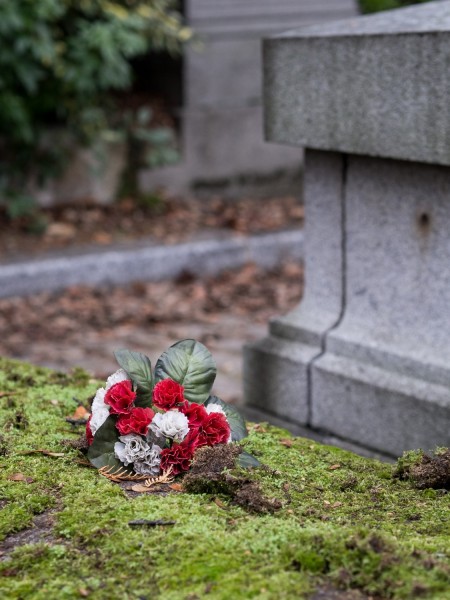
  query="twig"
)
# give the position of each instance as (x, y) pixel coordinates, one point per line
(146, 523)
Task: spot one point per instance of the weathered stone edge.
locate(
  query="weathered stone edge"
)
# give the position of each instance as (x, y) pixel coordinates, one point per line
(155, 263)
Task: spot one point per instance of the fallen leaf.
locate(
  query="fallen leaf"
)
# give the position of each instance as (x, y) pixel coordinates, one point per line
(177, 487)
(20, 477)
(80, 414)
(140, 488)
(334, 467)
(54, 402)
(326, 503)
(288, 443)
(336, 505)
(83, 592)
(60, 230)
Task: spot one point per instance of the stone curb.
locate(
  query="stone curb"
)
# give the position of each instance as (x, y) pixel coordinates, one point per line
(151, 263)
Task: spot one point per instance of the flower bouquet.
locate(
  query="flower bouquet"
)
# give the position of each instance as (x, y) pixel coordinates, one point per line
(144, 423)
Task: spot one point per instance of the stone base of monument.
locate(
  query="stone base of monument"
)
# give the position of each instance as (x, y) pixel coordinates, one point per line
(366, 356)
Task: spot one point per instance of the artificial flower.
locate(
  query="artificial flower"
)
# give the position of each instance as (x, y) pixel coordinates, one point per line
(89, 434)
(136, 421)
(131, 448)
(172, 424)
(195, 413)
(168, 394)
(178, 458)
(214, 430)
(120, 397)
(117, 377)
(99, 411)
(150, 465)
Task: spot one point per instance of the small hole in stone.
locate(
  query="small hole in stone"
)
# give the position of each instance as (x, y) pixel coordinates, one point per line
(424, 220)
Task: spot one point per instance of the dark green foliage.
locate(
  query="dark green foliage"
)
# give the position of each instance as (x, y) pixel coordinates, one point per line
(190, 364)
(60, 61)
(370, 6)
(139, 369)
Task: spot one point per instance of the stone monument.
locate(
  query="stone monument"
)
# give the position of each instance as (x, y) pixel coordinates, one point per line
(221, 118)
(366, 355)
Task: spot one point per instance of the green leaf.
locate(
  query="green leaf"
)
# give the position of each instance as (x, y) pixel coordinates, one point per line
(101, 451)
(234, 418)
(190, 364)
(247, 461)
(139, 369)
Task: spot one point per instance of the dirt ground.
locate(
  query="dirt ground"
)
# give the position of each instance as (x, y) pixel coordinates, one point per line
(154, 218)
(83, 326)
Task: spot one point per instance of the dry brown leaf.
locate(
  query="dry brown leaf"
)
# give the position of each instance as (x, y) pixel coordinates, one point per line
(336, 505)
(288, 443)
(54, 402)
(140, 488)
(334, 467)
(220, 504)
(177, 487)
(83, 592)
(80, 414)
(20, 477)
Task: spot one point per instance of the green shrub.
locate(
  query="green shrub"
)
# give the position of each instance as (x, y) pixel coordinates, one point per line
(370, 6)
(61, 61)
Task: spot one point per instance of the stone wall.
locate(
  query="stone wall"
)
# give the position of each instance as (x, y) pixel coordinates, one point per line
(222, 123)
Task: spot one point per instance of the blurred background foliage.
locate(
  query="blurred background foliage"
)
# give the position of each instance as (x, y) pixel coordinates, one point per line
(370, 6)
(62, 65)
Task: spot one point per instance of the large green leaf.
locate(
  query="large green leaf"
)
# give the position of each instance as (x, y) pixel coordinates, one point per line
(190, 364)
(235, 420)
(139, 370)
(101, 451)
(247, 461)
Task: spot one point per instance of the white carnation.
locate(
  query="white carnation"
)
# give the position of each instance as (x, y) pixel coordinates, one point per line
(215, 408)
(172, 424)
(130, 448)
(150, 465)
(100, 410)
(133, 450)
(117, 377)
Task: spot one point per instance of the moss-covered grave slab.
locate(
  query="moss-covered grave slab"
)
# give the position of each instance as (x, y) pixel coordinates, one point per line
(347, 529)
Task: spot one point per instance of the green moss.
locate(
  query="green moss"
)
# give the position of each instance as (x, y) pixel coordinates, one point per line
(350, 526)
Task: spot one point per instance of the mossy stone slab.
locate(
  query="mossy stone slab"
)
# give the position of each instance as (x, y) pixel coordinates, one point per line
(345, 522)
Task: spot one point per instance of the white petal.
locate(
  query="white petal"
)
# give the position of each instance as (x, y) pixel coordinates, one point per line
(215, 408)
(100, 410)
(119, 451)
(117, 377)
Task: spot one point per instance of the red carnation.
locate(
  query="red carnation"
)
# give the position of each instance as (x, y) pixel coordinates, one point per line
(195, 413)
(120, 397)
(137, 421)
(214, 430)
(178, 457)
(168, 394)
(89, 434)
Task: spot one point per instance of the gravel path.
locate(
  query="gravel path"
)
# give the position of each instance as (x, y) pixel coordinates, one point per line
(82, 326)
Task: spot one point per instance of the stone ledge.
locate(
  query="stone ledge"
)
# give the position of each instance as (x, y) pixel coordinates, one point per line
(151, 263)
(375, 85)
